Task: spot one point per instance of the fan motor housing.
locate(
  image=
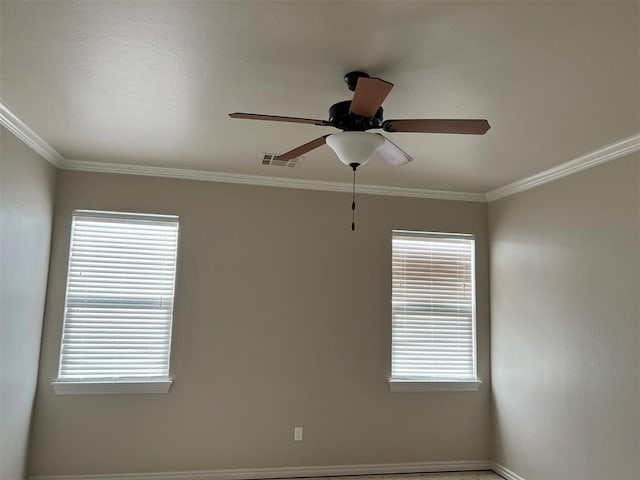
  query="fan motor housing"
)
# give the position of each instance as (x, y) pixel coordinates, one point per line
(340, 117)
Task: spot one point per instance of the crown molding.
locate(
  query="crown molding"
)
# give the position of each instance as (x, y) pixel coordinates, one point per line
(601, 155)
(16, 126)
(287, 472)
(101, 167)
(604, 154)
(505, 472)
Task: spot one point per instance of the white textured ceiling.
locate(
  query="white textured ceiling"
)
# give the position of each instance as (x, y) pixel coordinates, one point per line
(151, 83)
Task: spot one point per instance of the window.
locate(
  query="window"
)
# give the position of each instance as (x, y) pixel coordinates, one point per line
(116, 336)
(433, 312)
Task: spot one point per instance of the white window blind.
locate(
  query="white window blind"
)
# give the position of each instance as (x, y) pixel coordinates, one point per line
(433, 307)
(119, 302)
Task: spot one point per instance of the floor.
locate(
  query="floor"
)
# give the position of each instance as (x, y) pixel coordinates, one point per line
(424, 476)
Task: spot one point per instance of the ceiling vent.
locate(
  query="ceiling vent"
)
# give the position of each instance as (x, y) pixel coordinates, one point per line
(272, 159)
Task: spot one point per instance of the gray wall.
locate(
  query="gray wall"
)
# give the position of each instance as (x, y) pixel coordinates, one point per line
(565, 267)
(282, 318)
(27, 184)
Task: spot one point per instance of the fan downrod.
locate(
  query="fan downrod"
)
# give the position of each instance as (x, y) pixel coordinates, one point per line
(351, 79)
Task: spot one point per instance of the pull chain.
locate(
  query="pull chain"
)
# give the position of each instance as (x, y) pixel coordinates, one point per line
(353, 197)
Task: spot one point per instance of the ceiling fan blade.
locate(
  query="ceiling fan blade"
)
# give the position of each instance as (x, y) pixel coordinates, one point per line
(302, 149)
(275, 118)
(369, 95)
(470, 127)
(393, 154)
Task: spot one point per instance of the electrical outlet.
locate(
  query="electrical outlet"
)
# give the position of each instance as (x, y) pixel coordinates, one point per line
(297, 434)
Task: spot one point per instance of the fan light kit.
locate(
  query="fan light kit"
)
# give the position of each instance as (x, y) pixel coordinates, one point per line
(354, 146)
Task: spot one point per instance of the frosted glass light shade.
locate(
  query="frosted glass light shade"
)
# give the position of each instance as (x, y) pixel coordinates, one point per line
(355, 147)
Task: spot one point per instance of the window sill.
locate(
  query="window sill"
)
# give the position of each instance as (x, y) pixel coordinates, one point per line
(105, 388)
(434, 386)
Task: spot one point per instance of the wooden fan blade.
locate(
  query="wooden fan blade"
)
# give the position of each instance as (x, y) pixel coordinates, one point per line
(275, 118)
(470, 127)
(393, 154)
(302, 149)
(369, 95)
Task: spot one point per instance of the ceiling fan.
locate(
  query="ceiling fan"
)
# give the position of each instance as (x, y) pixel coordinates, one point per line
(364, 112)
(354, 146)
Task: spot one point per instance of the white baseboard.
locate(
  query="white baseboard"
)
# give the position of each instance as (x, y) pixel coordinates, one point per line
(505, 472)
(288, 472)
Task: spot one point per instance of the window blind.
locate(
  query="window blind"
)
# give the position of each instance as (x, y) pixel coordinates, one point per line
(119, 301)
(433, 307)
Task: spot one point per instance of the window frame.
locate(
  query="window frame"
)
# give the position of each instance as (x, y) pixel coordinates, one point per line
(132, 384)
(440, 384)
